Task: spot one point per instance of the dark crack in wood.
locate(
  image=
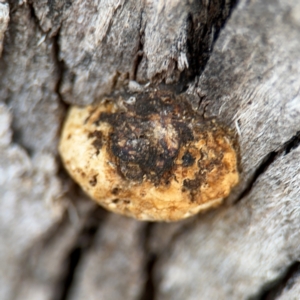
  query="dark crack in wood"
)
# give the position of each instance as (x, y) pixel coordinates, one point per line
(293, 143)
(34, 17)
(275, 289)
(148, 292)
(82, 244)
(60, 67)
(139, 52)
(227, 8)
(269, 159)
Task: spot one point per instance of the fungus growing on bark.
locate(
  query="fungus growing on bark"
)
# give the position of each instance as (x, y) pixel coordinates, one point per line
(150, 156)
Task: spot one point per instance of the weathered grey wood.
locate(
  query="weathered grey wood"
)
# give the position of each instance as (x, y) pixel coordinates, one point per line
(29, 76)
(112, 42)
(114, 267)
(28, 189)
(57, 52)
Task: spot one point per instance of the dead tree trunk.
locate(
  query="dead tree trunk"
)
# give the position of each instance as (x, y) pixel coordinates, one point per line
(236, 62)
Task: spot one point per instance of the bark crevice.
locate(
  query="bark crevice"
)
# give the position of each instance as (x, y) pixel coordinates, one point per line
(60, 66)
(290, 145)
(140, 50)
(285, 282)
(83, 243)
(149, 289)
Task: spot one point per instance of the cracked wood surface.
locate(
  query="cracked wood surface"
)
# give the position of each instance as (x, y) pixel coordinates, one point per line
(55, 243)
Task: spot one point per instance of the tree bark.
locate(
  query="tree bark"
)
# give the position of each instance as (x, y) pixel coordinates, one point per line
(236, 62)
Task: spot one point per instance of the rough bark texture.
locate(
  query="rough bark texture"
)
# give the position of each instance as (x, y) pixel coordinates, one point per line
(236, 62)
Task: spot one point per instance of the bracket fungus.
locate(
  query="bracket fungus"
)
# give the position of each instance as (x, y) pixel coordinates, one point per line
(149, 156)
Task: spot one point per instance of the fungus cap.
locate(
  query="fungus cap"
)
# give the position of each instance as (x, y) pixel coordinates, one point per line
(150, 157)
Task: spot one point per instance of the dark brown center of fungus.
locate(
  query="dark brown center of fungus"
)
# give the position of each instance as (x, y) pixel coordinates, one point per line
(146, 138)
